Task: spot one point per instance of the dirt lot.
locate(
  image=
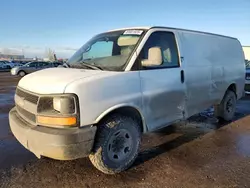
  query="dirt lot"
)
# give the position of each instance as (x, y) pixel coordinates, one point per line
(197, 153)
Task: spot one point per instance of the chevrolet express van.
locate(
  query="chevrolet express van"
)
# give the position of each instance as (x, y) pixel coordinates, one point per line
(124, 83)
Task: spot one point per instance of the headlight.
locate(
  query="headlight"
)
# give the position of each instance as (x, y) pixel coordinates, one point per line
(61, 110)
(64, 105)
(13, 70)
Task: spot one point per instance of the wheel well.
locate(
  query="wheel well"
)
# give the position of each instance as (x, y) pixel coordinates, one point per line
(130, 112)
(21, 71)
(232, 87)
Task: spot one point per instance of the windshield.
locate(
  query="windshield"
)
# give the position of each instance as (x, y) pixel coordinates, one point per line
(108, 51)
(30, 64)
(26, 64)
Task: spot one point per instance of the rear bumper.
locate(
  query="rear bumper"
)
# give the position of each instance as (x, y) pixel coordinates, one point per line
(61, 144)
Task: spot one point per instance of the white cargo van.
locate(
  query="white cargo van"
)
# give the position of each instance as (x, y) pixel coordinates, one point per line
(121, 84)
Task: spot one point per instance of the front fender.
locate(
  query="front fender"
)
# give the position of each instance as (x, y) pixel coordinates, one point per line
(117, 107)
(100, 94)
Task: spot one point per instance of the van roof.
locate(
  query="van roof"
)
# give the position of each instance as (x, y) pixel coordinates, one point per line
(172, 28)
(128, 28)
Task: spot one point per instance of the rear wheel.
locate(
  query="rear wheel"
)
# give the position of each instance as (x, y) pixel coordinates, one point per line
(226, 109)
(21, 73)
(116, 145)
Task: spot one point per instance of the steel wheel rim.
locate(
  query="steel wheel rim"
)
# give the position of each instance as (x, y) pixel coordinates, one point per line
(119, 145)
(230, 105)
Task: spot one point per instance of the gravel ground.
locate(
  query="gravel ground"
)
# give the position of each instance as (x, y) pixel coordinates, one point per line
(197, 153)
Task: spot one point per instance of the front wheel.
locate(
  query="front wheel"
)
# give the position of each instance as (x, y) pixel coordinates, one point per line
(117, 144)
(21, 73)
(226, 109)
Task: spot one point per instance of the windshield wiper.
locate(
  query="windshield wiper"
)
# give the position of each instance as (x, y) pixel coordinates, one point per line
(81, 64)
(65, 65)
(91, 66)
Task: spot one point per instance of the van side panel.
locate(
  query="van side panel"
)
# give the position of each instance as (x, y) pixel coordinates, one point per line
(211, 64)
(236, 71)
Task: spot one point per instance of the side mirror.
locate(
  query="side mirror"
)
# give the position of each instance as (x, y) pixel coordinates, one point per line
(154, 57)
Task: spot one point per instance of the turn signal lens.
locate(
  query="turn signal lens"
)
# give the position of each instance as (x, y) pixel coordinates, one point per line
(57, 121)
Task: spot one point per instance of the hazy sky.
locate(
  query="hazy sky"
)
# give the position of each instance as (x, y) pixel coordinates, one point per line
(33, 25)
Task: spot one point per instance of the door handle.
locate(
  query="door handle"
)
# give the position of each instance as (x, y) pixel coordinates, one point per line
(182, 76)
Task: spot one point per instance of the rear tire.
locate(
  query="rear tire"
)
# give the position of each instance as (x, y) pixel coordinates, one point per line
(117, 144)
(226, 109)
(21, 73)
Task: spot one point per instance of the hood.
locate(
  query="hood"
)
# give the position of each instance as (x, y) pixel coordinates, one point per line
(53, 80)
(15, 68)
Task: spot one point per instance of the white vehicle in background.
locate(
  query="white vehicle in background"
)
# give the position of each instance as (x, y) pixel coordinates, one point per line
(32, 67)
(121, 84)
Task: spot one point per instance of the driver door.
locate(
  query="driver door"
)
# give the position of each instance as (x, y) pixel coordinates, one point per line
(163, 86)
(32, 67)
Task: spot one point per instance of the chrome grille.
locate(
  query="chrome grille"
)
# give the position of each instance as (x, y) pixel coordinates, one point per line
(31, 118)
(27, 96)
(25, 109)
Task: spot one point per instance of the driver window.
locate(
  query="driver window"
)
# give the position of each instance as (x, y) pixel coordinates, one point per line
(42, 64)
(166, 42)
(32, 65)
(99, 49)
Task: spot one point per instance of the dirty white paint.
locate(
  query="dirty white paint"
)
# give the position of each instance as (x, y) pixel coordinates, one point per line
(210, 64)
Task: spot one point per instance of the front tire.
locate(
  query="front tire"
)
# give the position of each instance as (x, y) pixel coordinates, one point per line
(21, 73)
(226, 109)
(117, 144)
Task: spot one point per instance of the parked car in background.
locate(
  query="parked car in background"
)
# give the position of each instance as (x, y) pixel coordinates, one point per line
(21, 63)
(8, 64)
(31, 67)
(17, 63)
(247, 85)
(3, 66)
(56, 64)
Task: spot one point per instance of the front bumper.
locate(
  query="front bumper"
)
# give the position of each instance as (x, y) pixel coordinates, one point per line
(61, 144)
(13, 72)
